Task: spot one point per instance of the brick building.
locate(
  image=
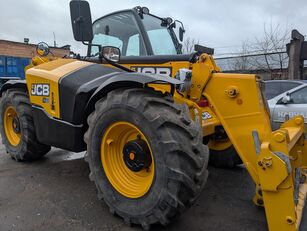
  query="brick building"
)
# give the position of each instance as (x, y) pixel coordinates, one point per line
(14, 56)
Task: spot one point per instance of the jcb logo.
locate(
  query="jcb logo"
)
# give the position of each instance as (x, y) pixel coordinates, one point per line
(154, 70)
(40, 89)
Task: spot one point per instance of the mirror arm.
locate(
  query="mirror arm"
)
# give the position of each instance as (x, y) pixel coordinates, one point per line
(52, 53)
(101, 57)
(181, 24)
(95, 45)
(115, 64)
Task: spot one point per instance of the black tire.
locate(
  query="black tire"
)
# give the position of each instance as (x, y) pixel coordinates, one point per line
(176, 143)
(227, 158)
(29, 147)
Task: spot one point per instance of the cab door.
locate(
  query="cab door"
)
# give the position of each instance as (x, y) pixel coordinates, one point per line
(296, 105)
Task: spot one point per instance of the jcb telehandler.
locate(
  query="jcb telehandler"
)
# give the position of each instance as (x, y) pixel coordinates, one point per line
(143, 132)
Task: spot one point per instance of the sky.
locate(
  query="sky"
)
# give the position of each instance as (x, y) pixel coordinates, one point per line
(220, 24)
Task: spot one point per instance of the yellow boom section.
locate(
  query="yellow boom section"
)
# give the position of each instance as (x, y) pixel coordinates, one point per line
(276, 161)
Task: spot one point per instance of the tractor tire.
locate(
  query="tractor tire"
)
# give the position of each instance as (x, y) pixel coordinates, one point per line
(227, 158)
(17, 127)
(176, 159)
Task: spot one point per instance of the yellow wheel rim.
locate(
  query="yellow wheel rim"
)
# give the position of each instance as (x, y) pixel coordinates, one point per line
(129, 183)
(219, 145)
(12, 126)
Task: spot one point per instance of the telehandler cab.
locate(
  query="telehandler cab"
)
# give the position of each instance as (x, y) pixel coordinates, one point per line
(143, 133)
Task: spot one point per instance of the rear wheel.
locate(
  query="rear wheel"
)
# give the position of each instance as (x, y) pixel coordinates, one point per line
(17, 127)
(145, 155)
(223, 154)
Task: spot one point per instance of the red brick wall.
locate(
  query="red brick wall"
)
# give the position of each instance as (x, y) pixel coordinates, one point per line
(16, 49)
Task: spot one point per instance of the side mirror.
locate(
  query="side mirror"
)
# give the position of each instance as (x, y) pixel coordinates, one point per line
(81, 20)
(111, 53)
(181, 33)
(42, 49)
(286, 99)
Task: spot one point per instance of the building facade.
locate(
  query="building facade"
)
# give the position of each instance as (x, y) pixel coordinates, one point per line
(15, 56)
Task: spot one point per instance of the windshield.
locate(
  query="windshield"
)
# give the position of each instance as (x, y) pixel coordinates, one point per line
(159, 36)
(119, 30)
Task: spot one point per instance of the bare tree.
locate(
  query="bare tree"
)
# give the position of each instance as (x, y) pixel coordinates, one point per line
(265, 53)
(188, 45)
(273, 46)
(242, 62)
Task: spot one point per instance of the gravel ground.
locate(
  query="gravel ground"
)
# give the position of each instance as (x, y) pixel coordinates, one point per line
(56, 194)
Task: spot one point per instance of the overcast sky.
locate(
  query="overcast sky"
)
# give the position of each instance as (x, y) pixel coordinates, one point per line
(221, 24)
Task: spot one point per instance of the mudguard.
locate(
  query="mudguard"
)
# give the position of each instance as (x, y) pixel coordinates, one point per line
(122, 80)
(13, 84)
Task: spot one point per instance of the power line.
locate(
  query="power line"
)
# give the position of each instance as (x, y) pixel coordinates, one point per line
(237, 45)
(250, 52)
(251, 55)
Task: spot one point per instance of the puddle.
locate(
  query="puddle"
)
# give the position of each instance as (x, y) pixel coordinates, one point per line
(58, 155)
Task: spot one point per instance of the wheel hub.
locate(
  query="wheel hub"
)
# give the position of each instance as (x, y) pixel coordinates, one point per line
(16, 125)
(127, 159)
(137, 155)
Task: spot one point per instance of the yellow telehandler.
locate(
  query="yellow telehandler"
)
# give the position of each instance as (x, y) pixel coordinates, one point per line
(144, 133)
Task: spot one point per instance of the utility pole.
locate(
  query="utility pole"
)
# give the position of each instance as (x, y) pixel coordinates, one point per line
(54, 40)
(295, 53)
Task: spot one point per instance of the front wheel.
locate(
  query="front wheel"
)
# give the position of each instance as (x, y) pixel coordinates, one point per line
(145, 155)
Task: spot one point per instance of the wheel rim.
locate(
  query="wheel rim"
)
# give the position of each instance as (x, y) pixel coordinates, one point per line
(129, 183)
(219, 145)
(12, 126)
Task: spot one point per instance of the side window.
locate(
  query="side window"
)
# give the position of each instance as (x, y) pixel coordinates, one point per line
(159, 36)
(133, 48)
(272, 89)
(285, 86)
(300, 96)
(107, 40)
(119, 30)
(161, 42)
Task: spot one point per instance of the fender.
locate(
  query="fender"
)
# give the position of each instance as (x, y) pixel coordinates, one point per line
(122, 80)
(21, 84)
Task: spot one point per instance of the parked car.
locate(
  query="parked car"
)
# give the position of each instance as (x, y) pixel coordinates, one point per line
(288, 104)
(274, 88)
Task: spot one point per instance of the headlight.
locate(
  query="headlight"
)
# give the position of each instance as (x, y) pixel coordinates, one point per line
(184, 75)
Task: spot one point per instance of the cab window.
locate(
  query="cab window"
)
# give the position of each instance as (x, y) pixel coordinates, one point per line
(119, 30)
(159, 36)
(133, 47)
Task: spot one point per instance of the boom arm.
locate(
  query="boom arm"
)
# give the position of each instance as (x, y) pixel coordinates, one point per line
(276, 161)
